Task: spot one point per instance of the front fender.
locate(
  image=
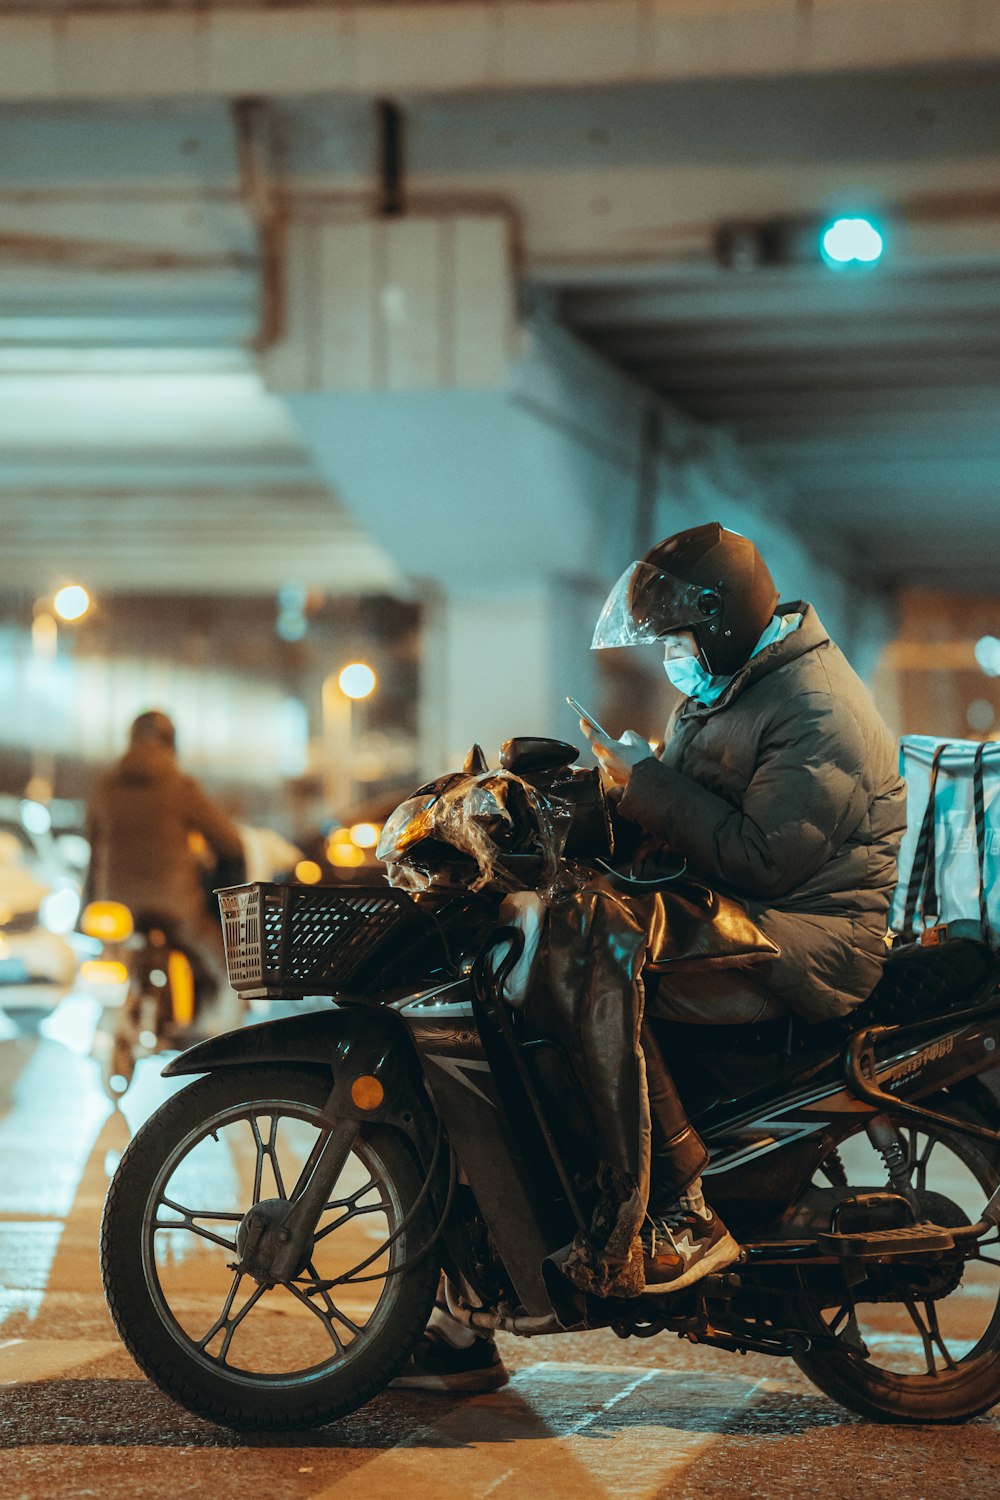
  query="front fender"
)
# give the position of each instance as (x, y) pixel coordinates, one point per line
(350, 1042)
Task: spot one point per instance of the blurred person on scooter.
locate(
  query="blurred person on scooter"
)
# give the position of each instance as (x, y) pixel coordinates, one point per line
(148, 824)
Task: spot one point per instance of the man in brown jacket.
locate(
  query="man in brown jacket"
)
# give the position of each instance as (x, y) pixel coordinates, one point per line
(143, 824)
(778, 785)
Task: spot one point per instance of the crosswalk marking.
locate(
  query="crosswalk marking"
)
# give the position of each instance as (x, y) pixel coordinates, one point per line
(23, 1361)
(565, 1431)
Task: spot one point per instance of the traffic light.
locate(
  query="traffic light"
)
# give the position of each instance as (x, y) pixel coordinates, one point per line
(846, 240)
(851, 241)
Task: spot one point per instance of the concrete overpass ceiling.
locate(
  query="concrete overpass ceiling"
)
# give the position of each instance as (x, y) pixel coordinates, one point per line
(872, 397)
(165, 469)
(139, 448)
(130, 263)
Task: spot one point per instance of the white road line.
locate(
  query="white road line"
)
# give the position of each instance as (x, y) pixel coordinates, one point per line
(565, 1432)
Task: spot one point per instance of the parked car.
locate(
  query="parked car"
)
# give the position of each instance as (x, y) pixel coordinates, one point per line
(39, 900)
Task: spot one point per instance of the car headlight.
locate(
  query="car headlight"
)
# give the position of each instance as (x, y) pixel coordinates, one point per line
(59, 910)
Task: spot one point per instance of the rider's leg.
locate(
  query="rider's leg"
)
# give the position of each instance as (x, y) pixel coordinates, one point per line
(683, 1239)
(677, 1154)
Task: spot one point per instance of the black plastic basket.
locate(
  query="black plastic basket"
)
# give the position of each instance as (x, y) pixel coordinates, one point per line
(295, 940)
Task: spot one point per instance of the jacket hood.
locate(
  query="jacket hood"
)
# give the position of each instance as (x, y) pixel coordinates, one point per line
(808, 637)
(145, 763)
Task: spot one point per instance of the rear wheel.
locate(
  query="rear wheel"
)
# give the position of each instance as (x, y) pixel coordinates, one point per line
(296, 1354)
(917, 1341)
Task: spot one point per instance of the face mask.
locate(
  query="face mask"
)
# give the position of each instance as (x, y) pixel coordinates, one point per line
(689, 677)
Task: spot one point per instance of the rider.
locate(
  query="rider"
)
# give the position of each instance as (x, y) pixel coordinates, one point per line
(778, 786)
(144, 823)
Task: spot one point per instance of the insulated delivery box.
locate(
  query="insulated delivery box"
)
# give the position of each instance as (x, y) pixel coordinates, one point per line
(949, 861)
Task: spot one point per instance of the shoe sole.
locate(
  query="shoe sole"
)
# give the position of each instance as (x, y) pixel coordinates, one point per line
(474, 1383)
(721, 1255)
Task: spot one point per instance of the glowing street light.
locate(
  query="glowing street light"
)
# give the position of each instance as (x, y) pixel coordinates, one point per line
(357, 680)
(341, 691)
(71, 602)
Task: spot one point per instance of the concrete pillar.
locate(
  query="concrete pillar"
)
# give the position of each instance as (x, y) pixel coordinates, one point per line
(498, 665)
(513, 510)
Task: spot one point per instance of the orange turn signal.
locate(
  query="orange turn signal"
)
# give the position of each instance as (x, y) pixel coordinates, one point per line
(367, 1092)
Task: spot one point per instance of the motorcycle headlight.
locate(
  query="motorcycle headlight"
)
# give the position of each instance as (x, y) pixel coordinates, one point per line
(407, 825)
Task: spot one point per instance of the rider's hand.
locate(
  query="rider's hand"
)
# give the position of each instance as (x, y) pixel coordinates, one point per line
(617, 757)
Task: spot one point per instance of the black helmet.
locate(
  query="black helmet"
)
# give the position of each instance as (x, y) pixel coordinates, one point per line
(152, 727)
(708, 580)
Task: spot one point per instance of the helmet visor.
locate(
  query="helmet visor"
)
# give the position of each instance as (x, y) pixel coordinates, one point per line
(646, 604)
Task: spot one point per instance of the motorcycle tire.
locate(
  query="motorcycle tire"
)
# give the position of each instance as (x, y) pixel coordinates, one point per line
(951, 1395)
(153, 1331)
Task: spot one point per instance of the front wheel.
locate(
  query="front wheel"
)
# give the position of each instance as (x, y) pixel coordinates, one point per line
(915, 1341)
(295, 1354)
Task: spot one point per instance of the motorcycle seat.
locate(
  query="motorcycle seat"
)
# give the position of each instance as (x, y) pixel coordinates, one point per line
(917, 984)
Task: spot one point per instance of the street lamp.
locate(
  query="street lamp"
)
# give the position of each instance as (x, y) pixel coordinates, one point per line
(357, 680)
(69, 604)
(340, 692)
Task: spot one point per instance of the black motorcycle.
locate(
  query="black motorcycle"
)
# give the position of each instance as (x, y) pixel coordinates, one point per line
(274, 1235)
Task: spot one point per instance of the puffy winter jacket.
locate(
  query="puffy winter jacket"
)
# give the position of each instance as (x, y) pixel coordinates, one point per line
(785, 794)
(139, 821)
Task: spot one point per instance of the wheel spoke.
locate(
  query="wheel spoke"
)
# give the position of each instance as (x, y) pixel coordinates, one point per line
(925, 1335)
(347, 1202)
(920, 1158)
(376, 1208)
(930, 1335)
(331, 1306)
(935, 1332)
(842, 1316)
(229, 1322)
(188, 1221)
(258, 1171)
(266, 1151)
(272, 1148)
(326, 1318)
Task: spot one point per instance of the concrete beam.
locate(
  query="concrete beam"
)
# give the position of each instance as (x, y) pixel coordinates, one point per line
(473, 45)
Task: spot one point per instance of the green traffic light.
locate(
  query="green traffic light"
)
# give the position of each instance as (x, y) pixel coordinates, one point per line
(851, 241)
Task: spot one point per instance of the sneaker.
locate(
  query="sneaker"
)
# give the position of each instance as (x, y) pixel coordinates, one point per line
(684, 1244)
(436, 1365)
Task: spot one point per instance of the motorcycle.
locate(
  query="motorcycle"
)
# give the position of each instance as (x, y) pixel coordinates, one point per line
(146, 983)
(273, 1237)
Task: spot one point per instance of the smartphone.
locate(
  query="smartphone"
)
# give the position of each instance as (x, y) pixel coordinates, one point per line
(586, 714)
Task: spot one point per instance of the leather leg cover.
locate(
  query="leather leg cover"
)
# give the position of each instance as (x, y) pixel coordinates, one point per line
(588, 993)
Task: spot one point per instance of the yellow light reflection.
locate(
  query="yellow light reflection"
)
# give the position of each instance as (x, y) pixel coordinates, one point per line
(308, 872)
